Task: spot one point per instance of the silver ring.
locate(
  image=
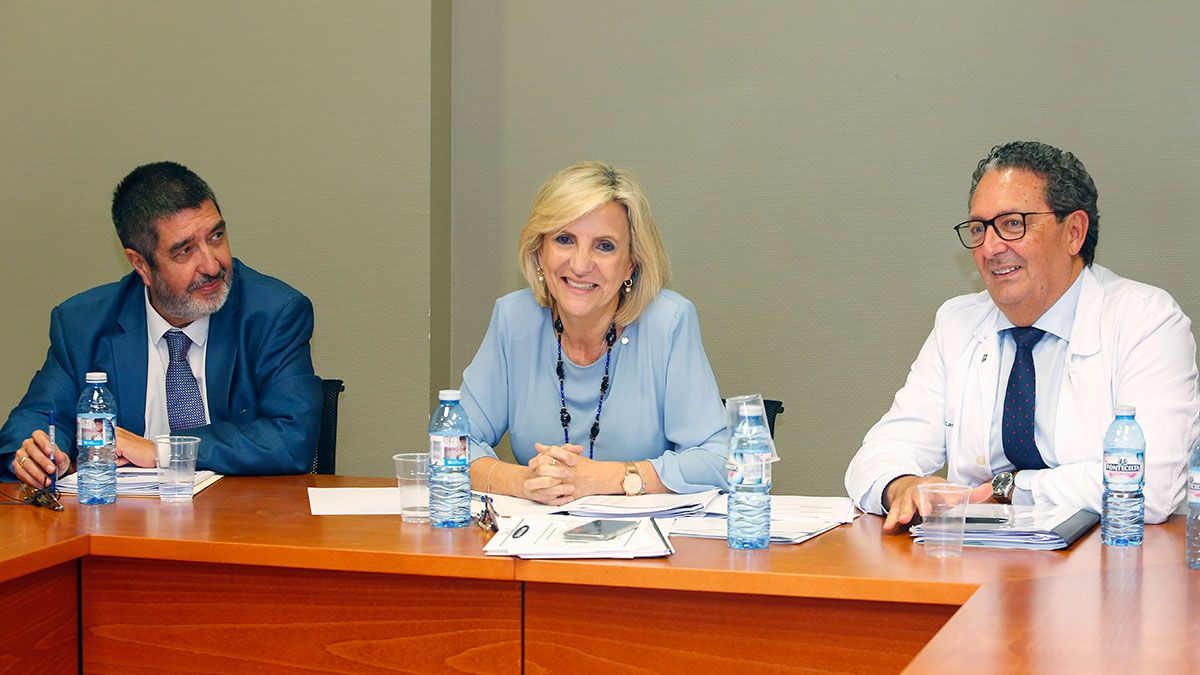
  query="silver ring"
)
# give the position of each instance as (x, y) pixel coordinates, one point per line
(553, 462)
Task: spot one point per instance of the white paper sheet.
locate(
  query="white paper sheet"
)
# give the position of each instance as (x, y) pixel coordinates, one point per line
(354, 501)
(542, 537)
(612, 506)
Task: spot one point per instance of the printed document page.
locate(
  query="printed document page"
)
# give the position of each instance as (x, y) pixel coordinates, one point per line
(542, 537)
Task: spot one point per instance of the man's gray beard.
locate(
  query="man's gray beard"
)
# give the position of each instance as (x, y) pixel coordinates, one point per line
(186, 307)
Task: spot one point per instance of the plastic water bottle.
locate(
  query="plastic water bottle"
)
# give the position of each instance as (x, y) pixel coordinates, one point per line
(749, 472)
(1193, 514)
(1122, 519)
(96, 440)
(449, 482)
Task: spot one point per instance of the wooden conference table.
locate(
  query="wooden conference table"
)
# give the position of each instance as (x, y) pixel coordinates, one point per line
(243, 579)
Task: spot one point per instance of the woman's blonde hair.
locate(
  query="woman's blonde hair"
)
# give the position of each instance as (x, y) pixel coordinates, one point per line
(575, 192)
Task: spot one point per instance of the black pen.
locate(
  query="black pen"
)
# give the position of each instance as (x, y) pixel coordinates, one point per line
(660, 534)
(985, 520)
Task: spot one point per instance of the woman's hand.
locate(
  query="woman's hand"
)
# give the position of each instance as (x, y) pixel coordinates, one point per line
(547, 478)
(576, 473)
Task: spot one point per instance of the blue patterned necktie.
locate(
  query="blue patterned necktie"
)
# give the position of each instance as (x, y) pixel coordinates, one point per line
(185, 407)
(1019, 399)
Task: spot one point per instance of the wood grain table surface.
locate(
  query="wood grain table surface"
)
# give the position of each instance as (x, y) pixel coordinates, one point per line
(1003, 611)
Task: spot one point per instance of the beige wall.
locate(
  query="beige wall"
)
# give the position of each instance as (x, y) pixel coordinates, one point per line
(805, 162)
(310, 120)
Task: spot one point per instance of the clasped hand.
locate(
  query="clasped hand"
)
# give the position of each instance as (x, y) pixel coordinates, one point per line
(558, 474)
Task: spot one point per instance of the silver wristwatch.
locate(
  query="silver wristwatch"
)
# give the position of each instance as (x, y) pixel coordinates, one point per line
(1003, 485)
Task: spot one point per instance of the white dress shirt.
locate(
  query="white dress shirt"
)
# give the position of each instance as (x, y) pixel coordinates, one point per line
(1049, 358)
(158, 357)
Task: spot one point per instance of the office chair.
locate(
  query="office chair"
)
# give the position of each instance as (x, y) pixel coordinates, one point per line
(771, 408)
(325, 459)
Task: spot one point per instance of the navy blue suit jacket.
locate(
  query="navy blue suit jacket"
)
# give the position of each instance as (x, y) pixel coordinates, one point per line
(264, 401)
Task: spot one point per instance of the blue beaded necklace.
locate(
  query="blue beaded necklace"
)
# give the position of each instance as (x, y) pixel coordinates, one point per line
(565, 417)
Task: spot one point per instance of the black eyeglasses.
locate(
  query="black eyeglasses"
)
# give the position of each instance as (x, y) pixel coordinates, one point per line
(487, 519)
(1008, 226)
(45, 497)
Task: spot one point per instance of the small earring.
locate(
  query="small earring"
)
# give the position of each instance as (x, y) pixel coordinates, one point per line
(629, 285)
(541, 277)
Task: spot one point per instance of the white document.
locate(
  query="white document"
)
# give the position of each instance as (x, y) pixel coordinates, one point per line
(794, 519)
(795, 507)
(354, 501)
(507, 505)
(782, 531)
(542, 537)
(137, 481)
(669, 505)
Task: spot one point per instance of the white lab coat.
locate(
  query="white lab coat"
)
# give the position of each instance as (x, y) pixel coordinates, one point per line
(1130, 344)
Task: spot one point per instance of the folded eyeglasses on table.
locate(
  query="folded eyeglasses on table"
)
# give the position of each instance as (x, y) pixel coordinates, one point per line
(47, 497)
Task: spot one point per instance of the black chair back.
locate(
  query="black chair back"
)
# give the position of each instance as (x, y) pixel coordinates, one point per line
(325, 459)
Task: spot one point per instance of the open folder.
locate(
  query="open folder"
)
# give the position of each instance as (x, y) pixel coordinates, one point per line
(542, 537)
(1027, 527)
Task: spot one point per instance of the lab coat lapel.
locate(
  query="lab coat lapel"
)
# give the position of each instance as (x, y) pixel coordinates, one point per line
(1085, 344)
(987, 361)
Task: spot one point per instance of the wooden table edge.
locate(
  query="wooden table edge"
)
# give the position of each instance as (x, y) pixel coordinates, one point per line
(44, 558)
(302, 557)
(749, 583)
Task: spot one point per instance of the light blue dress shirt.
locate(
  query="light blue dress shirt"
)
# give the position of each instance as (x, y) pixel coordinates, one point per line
(663, 404)
(1049, 360)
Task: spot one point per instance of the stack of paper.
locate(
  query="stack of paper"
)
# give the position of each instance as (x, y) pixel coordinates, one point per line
(782, 531)
(612, 506)
(136, 481)
(542, 537)
(793, 519)
(1024, 527)
(642, 506)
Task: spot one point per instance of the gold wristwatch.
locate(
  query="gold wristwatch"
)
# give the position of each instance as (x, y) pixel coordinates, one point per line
(633, 483)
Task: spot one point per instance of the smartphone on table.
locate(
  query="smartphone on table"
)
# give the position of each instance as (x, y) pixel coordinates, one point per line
(602, 529)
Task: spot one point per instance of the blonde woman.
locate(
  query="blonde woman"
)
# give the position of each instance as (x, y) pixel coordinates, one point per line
(596, 371)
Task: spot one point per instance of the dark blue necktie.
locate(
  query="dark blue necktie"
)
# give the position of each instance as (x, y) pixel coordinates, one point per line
(1019, 399)
(185, 407)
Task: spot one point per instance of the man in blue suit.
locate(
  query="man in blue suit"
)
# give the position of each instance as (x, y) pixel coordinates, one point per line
(193, 341)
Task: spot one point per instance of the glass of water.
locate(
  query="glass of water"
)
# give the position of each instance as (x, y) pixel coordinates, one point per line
(412, 476)
(176, 459)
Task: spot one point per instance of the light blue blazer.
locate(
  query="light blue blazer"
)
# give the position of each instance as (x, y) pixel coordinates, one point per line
(663, 404)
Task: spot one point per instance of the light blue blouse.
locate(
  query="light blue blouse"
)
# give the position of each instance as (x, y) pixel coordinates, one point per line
(663, 404)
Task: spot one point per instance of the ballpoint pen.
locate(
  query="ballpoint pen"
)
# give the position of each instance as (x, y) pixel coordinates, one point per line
(53, 446)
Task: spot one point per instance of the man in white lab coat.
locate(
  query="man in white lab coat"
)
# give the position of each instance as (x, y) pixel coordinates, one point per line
(1015, 387)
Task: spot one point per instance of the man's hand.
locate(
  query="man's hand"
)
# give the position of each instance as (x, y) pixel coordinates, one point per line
(133, 449)
(31, 462)
(901, 496)
(982, 494)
